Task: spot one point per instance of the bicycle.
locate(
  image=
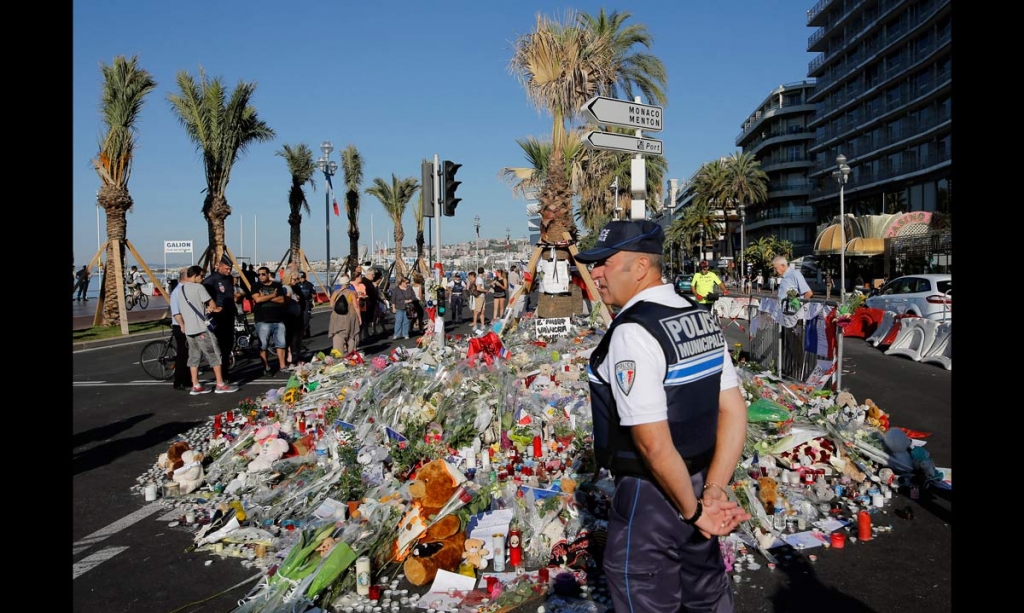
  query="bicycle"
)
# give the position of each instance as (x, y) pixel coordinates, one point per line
(130, 299)
(158, 357)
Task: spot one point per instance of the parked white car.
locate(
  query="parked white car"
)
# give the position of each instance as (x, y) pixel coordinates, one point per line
(929, 296)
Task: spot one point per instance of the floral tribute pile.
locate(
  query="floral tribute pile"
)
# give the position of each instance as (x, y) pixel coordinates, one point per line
(315, 483)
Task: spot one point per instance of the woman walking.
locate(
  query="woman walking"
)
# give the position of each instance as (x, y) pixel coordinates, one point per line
(295, 305)
(343, 330)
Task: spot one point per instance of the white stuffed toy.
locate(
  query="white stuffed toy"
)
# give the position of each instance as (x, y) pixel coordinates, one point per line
(271, 450)
(190, 475)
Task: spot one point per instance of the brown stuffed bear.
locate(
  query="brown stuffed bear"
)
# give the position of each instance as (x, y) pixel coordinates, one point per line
(768, 493)
(441, 545)
(171, 461)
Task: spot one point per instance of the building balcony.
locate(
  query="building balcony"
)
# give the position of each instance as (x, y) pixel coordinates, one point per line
(896, 172)
(787, 190)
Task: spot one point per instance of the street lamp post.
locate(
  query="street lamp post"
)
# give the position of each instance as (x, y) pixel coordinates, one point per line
(476, 222)
(841, 175)
(743, 237)
(328, 167)
(508, 247)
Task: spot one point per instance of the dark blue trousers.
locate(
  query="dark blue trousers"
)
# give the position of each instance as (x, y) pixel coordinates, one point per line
(655, 563)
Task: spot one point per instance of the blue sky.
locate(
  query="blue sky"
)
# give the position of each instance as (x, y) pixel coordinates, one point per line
(401, 81)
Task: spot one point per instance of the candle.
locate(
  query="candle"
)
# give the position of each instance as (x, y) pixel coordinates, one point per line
(864, 526)
(485, 460)
(537, 451)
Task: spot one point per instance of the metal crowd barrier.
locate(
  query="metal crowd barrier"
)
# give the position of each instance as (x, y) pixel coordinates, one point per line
(781, 348)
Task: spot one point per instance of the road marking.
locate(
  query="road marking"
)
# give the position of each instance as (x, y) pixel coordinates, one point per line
(147, 383)
(91, 562)
(117, 526)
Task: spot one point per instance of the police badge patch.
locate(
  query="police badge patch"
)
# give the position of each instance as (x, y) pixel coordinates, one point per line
(625, 374)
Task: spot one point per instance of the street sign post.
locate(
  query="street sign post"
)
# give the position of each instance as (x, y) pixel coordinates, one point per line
(609, 141)
(625, 114)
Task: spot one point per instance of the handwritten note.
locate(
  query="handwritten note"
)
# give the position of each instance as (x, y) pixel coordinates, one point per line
(550, 327)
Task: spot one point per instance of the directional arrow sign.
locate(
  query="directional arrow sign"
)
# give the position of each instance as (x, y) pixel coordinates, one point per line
(609, 141)
(624, 113)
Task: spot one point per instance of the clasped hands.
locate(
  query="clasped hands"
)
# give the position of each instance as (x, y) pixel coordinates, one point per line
(721, 515)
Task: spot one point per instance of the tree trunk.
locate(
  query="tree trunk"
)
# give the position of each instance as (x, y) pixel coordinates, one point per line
(216, 213)
(115, 202)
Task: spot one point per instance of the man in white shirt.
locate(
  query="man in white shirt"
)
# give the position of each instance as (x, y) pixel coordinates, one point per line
(194, 308)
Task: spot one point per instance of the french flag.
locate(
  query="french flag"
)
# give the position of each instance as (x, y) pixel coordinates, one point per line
(521, 417)
(504, 353)
(395, 435)
(337, 211)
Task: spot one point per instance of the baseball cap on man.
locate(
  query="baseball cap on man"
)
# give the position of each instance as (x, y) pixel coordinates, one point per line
(642, 236)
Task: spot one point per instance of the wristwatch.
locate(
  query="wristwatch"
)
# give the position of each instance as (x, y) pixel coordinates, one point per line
(696, 514)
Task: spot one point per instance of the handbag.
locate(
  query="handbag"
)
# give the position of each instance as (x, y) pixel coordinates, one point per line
(210, 324)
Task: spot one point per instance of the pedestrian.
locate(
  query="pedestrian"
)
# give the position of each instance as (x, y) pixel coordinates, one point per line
(308, 291)
(670, 424)
(83, 276)
(417, 314)
(476, 301)
(194, 309)
(343, 329)
(747, 283)
(370, 318)
(359, 285)
(456, 291)
(499, 292)
(515, 279)
(221, 286)
(295, 305)
(704, 283)
(759, 282)
(790, 278)
(251, 277)
(269, 314)
(402, 298)
(182, 378)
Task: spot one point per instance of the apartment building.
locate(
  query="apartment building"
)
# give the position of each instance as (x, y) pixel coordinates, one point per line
(883, 99)
(779, 135)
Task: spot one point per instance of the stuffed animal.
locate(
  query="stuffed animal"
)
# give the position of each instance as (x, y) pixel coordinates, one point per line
(876, 417)
(439, 545)
(190, 474)
(171, 461)
(270, 450)
(768, 493)
(475, 553)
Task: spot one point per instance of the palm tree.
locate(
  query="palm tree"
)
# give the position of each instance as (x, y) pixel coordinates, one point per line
(560, 66)
(125, 86)
(417, 213)
(746, 183)
(709, 188)
(352, 166)
(699, 223)
(395, 198)
(222, 130)
(301, 167)
(630, 70)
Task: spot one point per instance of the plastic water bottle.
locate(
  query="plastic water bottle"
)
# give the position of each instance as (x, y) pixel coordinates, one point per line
(322, 456)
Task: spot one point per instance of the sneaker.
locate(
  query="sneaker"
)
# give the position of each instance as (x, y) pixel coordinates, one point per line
(266, 372)
(227, 388)
(199, 389)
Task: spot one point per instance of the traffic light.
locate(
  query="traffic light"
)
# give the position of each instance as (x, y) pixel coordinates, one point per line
(427, 187)
(449, 185)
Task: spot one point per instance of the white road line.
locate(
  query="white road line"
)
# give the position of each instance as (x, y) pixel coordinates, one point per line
(147, 383)
(118, 525)
(91, 562)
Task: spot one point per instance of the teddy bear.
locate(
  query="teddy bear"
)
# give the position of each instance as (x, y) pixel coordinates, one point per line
(190, 474)
(270, 450)
(170, 460)
(437, 545)
(767, 492)
(475, 553)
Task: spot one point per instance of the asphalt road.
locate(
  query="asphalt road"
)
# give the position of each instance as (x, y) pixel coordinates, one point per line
(127, 559)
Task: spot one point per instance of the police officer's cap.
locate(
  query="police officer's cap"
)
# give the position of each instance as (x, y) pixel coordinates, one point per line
(642, 236)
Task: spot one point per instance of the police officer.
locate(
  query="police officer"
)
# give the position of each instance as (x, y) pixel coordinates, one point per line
(221, 286)
(456, 290)
(669, 423)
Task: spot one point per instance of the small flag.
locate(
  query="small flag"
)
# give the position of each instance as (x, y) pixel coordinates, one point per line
(395, 435)
(330, 185)
(521, 417)
(504, 353)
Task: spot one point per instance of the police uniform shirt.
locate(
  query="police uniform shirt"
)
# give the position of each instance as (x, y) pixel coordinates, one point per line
(642, 400)
(222, 289)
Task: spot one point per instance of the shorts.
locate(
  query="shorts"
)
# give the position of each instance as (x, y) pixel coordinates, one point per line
(265, 329)
(203, 344)
(478, 303)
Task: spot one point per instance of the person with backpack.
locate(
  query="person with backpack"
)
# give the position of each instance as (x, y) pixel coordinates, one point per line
(308, 292)
(456, 290)
(343, 329)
